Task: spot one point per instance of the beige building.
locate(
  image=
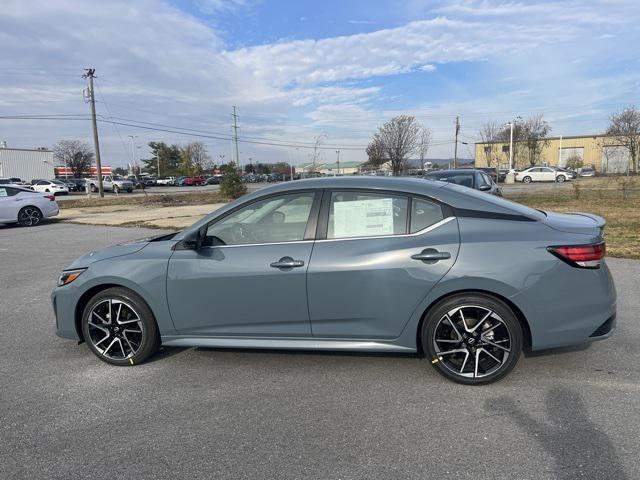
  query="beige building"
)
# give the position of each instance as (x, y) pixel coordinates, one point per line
(601, 152)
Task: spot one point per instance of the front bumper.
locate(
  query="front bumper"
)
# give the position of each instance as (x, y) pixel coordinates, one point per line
(63, 303)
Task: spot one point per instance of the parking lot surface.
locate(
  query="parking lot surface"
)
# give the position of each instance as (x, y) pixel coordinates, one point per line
(213, 413)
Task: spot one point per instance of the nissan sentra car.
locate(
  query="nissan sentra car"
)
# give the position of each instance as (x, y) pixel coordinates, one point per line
(355, 264)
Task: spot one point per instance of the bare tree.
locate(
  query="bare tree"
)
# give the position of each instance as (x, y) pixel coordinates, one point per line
(199, 156)
(75, 155)
(490, 136)
(625, 127)
(424, 142)
(376, 152)
(399, 137)
(534, 136)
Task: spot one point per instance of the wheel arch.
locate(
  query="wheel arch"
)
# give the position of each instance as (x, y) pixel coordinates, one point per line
(90, 293)
(524, 323)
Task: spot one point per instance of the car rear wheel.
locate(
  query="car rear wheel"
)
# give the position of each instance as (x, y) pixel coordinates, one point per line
(29, 216)
(526, 179)
(119, 327)
(472, 339)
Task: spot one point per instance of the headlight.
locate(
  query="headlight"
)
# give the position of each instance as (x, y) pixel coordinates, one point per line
(69, 276)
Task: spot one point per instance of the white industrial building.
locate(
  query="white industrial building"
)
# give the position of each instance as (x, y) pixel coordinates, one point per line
(26, 164)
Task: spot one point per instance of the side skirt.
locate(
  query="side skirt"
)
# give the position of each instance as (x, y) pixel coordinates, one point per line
(284, 344)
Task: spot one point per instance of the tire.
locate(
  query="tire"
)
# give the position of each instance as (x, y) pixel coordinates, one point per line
(500, 344)
(561, 179)
(116, 189)
(29, 216)
(94, 189)
(129, 190)
(526, 179)
(132, 339)
(47, 191)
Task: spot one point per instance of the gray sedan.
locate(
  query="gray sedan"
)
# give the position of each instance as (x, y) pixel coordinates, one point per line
(351, 263)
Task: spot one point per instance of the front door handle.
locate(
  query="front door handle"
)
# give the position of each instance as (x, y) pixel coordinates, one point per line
(287, 262)
(431, 255)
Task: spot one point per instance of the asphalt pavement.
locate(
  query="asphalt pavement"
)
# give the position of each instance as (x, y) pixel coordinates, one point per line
(214, 413)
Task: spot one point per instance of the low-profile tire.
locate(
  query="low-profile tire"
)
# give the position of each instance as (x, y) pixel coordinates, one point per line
(561, 178)
(119, 327)
(472, 339)
(29, 216)
(526, 179)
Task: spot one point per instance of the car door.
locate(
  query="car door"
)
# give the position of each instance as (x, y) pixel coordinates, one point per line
(376, 257)
(249, 277)
(548, 174)
(8, 211)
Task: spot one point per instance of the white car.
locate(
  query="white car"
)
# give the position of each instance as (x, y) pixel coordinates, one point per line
(26, 207)
(51, 186)
(542, 174)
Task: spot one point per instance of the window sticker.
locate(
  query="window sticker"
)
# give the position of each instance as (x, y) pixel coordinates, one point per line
(3, 192)
(362, 218)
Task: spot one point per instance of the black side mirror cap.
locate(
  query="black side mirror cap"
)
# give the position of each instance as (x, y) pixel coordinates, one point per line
(192, 241)
(484, 188)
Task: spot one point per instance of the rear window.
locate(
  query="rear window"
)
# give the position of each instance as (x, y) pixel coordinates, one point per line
(424, 214)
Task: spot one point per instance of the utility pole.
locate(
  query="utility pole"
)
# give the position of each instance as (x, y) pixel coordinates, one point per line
(511, 146)
(235, 135)
(90, 74)
(338, 155)
(455, 150)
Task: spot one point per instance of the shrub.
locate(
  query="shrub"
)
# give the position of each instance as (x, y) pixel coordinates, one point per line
(232, 186)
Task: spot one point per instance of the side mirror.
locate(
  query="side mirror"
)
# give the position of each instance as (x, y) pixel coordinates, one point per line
(484, 188)
(193, 241)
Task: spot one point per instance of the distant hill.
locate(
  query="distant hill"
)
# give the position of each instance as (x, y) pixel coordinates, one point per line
(440, 162)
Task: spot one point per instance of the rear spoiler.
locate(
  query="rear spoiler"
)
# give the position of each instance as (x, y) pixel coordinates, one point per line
(600, 221)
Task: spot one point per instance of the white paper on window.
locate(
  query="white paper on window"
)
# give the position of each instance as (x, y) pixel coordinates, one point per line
(363, 218)
(3, 192)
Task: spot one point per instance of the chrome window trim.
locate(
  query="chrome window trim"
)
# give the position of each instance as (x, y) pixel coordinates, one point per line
(294, 242)
(400, 235)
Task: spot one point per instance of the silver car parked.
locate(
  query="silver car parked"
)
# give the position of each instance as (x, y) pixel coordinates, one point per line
(352, 263)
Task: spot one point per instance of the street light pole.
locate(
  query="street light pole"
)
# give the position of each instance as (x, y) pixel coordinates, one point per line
(338, 159)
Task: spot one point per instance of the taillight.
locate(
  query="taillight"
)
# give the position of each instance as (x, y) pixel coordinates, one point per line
(583, 256)
(50, 197)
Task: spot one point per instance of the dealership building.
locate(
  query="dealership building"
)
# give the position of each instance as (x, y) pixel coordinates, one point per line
(601, 152)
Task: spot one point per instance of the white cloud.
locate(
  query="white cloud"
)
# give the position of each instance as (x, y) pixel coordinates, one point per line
(159, 64)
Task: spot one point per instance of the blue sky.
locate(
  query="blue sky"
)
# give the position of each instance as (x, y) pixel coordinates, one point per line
(298, 69)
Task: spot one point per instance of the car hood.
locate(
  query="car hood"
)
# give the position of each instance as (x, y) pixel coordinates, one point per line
(108, 252)
(576, 222)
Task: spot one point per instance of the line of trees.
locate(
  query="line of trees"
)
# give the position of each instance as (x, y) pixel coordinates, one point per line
(176, 160)
(396, 140)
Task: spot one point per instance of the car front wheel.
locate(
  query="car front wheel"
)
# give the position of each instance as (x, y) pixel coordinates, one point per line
(119, 327)
(526, 179)
(560, 178)
(472, 339)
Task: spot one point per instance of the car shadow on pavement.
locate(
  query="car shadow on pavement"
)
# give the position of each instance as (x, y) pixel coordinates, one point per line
(556, 351)
(166, 352)
(576, 444)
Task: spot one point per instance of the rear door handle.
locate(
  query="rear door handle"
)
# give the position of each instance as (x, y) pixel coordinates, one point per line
(287, 262)
(431, 255)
